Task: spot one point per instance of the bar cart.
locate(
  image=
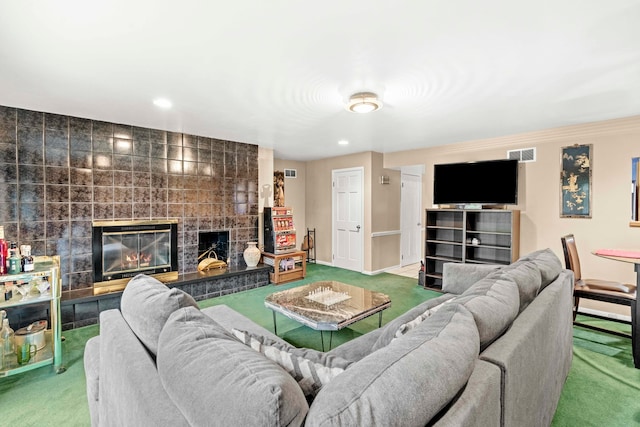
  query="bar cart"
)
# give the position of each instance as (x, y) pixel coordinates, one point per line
(47, 269)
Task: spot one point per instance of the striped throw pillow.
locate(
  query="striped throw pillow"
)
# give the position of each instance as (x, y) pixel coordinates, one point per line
(310, 375)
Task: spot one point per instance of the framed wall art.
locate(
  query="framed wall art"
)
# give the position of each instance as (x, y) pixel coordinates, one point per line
(575, 181)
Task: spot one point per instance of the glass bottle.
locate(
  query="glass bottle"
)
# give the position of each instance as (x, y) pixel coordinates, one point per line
(8, 291)
(7, 337)
(3, 252)
(27, 259)
(15, 263)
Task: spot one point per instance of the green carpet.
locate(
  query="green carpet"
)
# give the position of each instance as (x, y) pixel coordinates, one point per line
(602, 388)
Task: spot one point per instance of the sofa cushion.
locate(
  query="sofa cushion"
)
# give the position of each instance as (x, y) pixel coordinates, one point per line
(215, 379)
(409, 326)
(458, 277)
(408, 381)
(146, 305)
(526, 275)
(494, 303)
(389, 330)
(310, 374)
(548, 264)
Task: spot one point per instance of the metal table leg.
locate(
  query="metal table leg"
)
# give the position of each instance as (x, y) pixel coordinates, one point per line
(275, 328)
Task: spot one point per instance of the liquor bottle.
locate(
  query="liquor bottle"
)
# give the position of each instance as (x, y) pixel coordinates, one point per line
(3, 252)
(15, 263)
(8, 291)
(27, 259)
(7, 337)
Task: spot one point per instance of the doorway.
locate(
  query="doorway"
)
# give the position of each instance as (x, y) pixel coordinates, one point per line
(410, 219)
(348, 218)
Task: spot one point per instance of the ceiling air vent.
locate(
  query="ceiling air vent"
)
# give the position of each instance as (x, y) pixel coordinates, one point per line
(290, 173)
(524, 155)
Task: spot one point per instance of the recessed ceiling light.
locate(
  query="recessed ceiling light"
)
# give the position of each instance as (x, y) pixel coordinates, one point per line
(343, 142)
(162, 103)
(364, 102)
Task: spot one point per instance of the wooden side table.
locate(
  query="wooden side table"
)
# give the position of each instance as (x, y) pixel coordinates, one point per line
(296, 272)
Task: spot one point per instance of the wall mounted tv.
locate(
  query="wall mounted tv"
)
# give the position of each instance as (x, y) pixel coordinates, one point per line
(491, 182)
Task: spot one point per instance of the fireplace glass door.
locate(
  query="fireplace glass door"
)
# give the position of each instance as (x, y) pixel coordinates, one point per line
(135, 251)
(124, 249)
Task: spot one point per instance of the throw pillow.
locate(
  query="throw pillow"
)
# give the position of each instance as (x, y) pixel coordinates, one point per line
(311, 375)
(406, 327)
(388, 331)
(146, 305)
(215, 380)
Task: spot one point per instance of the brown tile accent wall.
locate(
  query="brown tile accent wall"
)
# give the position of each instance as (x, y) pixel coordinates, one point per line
(60, 173)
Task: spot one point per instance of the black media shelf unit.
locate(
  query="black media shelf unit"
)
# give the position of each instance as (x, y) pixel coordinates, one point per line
(481, 236)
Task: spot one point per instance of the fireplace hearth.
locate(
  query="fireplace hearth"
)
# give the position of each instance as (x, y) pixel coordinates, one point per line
(124, 249)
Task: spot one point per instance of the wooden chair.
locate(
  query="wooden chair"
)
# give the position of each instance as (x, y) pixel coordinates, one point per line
(595, 289)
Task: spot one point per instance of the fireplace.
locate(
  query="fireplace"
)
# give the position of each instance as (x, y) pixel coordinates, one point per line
(215, 241)
(124, 249)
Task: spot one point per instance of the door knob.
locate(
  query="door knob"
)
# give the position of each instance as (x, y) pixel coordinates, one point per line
(358, 228)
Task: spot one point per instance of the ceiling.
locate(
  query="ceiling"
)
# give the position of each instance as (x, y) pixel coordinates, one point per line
(278, 73)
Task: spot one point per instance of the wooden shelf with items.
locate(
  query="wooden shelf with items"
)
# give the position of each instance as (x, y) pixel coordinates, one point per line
(286, 267)
(481, 236)
(46, 269)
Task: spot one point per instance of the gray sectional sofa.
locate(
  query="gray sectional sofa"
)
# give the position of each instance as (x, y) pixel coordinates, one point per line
(493, 350)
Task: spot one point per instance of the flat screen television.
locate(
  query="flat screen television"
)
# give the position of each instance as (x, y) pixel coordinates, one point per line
(491, 182)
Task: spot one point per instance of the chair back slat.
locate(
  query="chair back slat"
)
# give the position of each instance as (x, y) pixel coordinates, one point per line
(571, 259)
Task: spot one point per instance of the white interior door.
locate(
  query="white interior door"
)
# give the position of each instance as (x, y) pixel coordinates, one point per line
(411, 219)
(348, 219)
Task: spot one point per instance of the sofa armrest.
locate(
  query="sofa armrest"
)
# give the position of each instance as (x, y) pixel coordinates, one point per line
(130, 391)
(457, 277)
(478, 405)
(92, 374)
(535, 355)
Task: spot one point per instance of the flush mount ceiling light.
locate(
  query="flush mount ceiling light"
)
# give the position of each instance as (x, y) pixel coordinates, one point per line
(364, 102)
(162, 103)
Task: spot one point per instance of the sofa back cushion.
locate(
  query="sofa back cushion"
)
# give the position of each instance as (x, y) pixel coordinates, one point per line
(527, 277)
(146, 305)
(389, 330)
(458, 277)
(494, 304)
(408, 381)
(548, 264)
(214, 379)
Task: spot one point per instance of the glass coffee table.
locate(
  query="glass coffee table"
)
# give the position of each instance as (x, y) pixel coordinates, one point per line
(327, 305)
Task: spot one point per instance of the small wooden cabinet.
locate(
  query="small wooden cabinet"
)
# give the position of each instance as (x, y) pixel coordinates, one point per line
(481, 236)
(286, 267)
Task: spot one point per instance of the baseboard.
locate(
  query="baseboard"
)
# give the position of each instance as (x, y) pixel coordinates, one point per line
(382, 270)
(605, 314)
(328, 264)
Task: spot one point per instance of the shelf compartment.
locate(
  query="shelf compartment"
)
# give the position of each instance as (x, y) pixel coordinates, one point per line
(488, 254)
(444, 234)
(490, 221)
(446, 219)
(447, 251)
(43, 357)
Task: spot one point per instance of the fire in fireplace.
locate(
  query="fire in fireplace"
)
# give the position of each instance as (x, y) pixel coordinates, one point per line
(123, 249)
